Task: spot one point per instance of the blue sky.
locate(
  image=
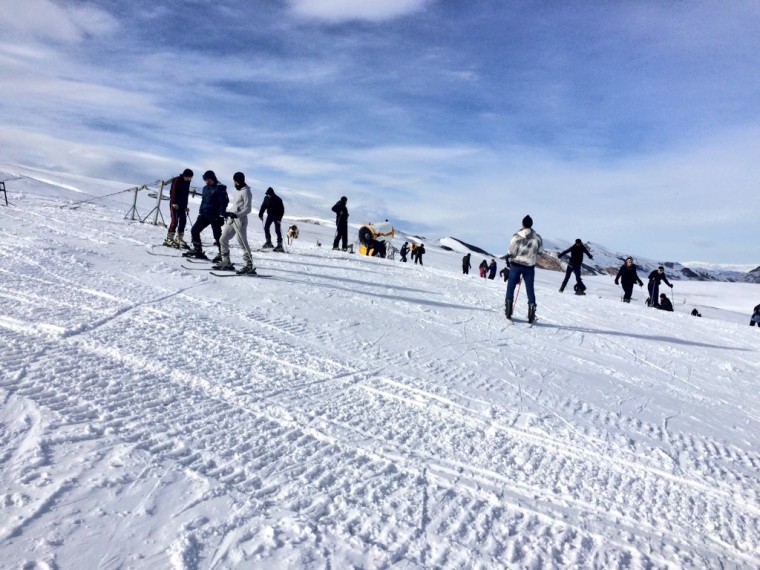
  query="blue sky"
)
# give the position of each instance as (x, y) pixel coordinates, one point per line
(632, 124)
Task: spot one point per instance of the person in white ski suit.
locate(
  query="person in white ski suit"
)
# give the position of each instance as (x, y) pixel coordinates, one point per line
(523, 254)
(236, 217)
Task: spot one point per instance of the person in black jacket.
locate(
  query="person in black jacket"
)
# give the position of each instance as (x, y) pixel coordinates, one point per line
(755, 317)
(419, 251)
(665, 304)
(178, 196)
(492, 269)
(272, 205)
(466, 265)
(341, 222)
(628, 276)
(404, 251)
(695, 313)
(655, 278)
(214, 200)
(574, 265)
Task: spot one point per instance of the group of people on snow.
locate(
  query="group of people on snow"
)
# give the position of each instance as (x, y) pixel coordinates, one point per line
(227, 215)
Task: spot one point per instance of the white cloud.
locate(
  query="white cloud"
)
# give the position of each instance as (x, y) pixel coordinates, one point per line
(48, 20)
(335, 11)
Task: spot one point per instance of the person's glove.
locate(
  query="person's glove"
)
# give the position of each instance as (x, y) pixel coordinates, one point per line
(559, 256)
(230, 215)
(590, 257)
(670, 285)
(261, 217)
(616, 282)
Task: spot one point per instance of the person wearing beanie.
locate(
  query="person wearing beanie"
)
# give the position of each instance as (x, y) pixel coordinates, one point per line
(214, 202)
(341, 223)
(273, 206)
(576, 251)
(523, 254)
(178, 197)
(655, 278)
(665, 304)
(236, 223)
(628, 275)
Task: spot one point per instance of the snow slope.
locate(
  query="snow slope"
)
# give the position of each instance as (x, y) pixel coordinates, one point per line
(351, 412)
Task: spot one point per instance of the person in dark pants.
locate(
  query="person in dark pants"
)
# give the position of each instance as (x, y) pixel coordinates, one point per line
(695, 313)
(214, 202)
(178, 197)
(665, 304)
(492, 269)
(628, 276)
(577, 250)
(655, 278)
(273, 206)
(341, 222)
(419, 251)
(466, 265)
(505, 272)
(404, 251)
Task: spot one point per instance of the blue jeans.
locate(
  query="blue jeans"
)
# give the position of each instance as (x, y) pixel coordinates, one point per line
(527, 274)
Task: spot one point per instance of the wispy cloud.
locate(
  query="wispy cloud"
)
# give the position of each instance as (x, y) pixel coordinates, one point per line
(48, 20)
(336, 11)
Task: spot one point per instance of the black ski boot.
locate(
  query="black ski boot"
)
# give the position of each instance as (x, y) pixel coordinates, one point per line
(197, 253)
(532, 312)
(508, 306)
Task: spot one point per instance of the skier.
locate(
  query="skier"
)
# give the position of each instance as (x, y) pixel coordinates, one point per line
(695, 313)
(214, 202)
(627, 274)
(178, 196)
(574, 266)
(341, 223)
(404, 251)
(523, 253)
(272, 205)
(236, 215)
(653, 287)
(483, 268)
(466, 265)
(665, 304)
(755, 317)
(418, 253)
(492, 269)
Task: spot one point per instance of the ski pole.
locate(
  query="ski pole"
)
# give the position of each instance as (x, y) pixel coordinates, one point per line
(239, 231)
(517, 293)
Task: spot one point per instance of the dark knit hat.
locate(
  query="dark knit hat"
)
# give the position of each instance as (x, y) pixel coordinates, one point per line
(527, 222)
(270, 191)
(578, 242)
(239, 177)
(343, 199)
(209, 175)
(187, 172)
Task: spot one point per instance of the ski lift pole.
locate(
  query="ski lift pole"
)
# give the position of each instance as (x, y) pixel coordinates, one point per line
(133, 209)
(158, 203)
(2, 189)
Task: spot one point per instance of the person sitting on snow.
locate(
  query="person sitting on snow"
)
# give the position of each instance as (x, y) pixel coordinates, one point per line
(755, 317)
(695, 313)
(664, 304)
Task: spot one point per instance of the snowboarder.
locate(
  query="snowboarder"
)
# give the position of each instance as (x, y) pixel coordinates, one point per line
(483, 267)
(466, 265)
(653, 287)
(695, 313)
(523, 253)
(419, 251)
(492, 269)
(628, 276)
(577, 250)
(178, 197)
(665, 304)
(755, 320)
(341, 223)
(404, 251)
(272, 205)
(236, 216)
(214, 202)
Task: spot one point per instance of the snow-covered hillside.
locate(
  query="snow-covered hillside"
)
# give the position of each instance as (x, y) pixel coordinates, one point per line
(353, 412)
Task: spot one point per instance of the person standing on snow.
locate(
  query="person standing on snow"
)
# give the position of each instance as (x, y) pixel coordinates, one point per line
(755, 317)
(492, 269)
(505, 272)
(404, 251)
(214, 202)
(236, 216)
(419, 251)
(466, 265)
(483, 267)
(178, 197)
(628, 276)
(653, 286)
(523, 254)
(577, 250)
(273, 206)
(341, 223)
(665, 304)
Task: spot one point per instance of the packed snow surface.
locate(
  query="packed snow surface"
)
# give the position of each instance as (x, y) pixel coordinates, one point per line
(353, 412)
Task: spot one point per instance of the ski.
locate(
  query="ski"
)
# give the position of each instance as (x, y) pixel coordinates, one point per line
(205, 268)
(237, 274)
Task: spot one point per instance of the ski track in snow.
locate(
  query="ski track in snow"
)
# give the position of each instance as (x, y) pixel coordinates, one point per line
(135, 429)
